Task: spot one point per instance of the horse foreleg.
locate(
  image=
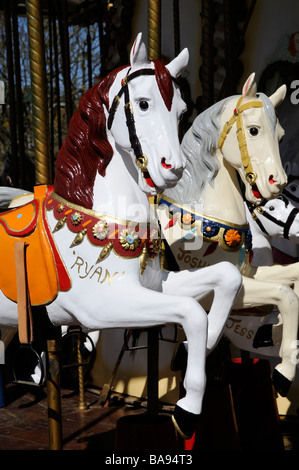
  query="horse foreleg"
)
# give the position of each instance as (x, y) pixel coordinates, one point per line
(223, 279)
(145, 308)
(255, 293)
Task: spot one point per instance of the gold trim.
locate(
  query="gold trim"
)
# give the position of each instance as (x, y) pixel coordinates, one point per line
(208, 217)
(96, 214)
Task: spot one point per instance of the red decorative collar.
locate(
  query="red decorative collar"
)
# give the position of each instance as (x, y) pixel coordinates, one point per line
(127, 239)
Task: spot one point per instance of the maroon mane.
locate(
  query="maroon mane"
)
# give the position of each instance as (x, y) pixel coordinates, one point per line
(86, 150)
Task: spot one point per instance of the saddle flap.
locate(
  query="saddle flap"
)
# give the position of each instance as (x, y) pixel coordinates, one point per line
(27, 223)
(22, 220)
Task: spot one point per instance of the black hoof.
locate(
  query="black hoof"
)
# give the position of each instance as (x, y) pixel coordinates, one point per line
(185, 422)
(263, 337)
(281, 383)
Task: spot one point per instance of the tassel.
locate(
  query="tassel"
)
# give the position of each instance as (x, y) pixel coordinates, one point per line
(143, 260)
(162, 257)
(59, 224)
(79, 238)
(105, 252)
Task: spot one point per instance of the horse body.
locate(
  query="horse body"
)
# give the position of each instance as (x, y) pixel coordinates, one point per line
(238, 135)
(101, 221)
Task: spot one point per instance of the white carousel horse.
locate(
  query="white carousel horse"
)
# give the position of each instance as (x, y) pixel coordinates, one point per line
(286, 251)
(235, 138)
(122, 146)
(274, 219)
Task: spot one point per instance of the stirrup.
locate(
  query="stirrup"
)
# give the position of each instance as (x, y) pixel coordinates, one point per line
(32, 356)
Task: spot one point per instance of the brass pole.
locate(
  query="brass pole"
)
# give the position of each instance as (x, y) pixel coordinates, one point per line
(82, 404)
(154, 29)
(42, 174)
(39, 92)
(154, 52)
(53, 392)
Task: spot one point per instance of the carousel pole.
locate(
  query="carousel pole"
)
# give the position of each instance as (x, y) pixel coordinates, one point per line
(39, 91)
(42, 168)
(154, 52)
(154, 29)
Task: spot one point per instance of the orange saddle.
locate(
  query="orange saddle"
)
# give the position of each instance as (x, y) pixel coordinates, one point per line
(45, 271)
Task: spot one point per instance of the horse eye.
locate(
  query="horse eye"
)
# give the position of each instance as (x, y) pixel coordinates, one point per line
(293, 188)
(254, 131)
(271, 208)
(143, 105)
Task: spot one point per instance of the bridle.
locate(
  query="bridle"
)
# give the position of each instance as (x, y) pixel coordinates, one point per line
(141, 158)
(261, 210)
(237, 117)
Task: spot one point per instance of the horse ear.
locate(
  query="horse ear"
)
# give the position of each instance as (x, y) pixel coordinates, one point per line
(278, 96)
(176, 66)
(249, 88)
(138, 55)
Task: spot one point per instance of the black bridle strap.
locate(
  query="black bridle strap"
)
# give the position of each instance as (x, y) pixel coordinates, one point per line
(286, 225)
(124, 87)
(289, 222)
(135, 144)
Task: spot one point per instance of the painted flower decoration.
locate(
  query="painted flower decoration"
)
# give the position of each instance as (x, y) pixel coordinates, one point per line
(129, 239)
(60, 208)
(232, 237)
(187, 218)
(100, 230)
(76, 218)
(210, 229)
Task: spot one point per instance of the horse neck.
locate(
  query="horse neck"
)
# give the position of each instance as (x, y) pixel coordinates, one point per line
(223, 198)
(117, 193)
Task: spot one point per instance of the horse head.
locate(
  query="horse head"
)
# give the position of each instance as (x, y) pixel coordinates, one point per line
(134, 112)
(151, 105)
(277, 218)
(253, 147)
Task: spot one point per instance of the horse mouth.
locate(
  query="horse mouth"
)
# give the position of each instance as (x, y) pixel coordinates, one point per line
(256, 192)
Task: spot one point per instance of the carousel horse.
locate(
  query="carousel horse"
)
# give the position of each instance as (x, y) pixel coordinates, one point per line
(274, 225)
(286, 251)
(91, 244)
(274, 219)
(232, 152)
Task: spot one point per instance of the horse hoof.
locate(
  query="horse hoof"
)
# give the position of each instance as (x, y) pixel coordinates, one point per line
(184, 422)
(263, 337)
(281, 383)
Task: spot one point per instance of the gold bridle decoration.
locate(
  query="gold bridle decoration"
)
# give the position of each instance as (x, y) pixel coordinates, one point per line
(251, 176)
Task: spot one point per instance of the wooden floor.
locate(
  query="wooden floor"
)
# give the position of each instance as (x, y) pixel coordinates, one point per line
(24, 421)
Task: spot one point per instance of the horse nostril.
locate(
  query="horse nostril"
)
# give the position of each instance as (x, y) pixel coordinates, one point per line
(271, 179)
(164, 164)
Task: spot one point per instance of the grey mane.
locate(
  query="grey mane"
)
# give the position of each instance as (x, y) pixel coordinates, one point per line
(199, 146)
